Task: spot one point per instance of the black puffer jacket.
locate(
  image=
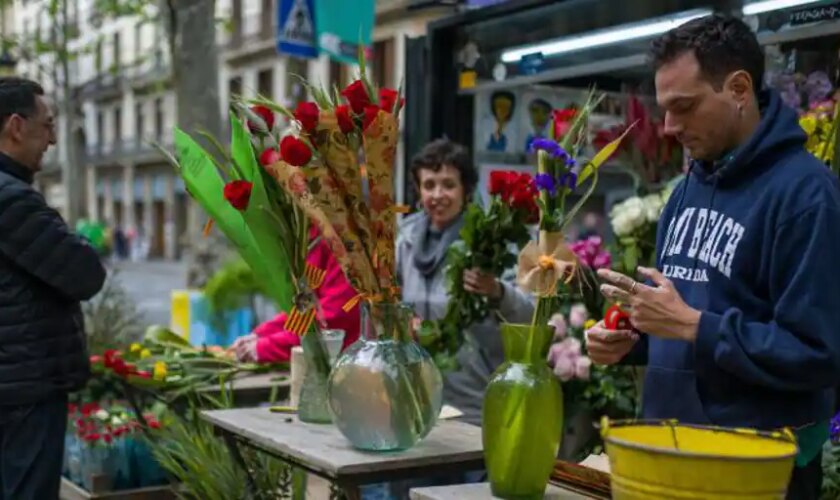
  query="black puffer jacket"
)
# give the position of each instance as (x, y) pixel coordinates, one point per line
(45, 271)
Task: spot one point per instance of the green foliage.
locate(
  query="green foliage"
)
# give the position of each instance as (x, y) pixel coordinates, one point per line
(485, 244)
(831, 472)
(188, 449)
(232, 286)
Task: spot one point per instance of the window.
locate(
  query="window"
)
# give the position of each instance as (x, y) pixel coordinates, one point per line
(295, 91)
(117, 50)
(138, 42)
(265, 83)
(98, 57)
(139, 123)
(159, 118)
(383, 63)
(100, 127)
(117, 125)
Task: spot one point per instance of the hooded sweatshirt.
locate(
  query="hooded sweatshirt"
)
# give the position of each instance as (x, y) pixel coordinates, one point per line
(753, 242)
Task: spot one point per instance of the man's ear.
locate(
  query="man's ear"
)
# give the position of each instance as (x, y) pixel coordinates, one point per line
(740, 86)
(14, 127)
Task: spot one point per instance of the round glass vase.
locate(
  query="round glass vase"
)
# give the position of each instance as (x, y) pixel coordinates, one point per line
(313, 405)
(385, 391)
(522, 421)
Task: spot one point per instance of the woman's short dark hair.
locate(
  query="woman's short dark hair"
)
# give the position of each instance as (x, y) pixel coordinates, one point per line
(722, 44)
(438, 153)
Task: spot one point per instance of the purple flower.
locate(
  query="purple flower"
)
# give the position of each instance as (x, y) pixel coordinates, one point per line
(550, 146)
(835, 429)
(545, 182)
(569, 180)
(817, 86)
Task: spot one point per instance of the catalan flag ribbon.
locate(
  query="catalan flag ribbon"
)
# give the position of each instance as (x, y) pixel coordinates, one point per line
(314, 276)
(299, 322)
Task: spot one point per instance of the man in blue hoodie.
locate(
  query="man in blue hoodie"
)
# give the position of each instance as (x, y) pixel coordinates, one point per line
(741, 318)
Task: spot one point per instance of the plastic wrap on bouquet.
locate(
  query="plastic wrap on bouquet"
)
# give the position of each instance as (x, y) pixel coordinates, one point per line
(385, 391)
(522, 421)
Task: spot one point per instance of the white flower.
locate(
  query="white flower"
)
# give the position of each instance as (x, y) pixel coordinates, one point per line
(653, 207)
(628, 216)
(102, 415)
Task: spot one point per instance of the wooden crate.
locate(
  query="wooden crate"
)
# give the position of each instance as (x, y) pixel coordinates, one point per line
(72, 491)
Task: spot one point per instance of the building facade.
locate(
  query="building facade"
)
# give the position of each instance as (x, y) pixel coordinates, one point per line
(121, 82)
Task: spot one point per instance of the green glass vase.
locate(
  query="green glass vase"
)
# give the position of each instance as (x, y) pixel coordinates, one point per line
(522, 422)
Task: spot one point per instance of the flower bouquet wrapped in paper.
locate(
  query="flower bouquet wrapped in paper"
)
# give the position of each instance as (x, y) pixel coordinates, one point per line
(337, 167)
(269, 230)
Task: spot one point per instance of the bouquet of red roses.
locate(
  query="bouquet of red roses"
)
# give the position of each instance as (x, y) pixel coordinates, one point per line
(487, 242)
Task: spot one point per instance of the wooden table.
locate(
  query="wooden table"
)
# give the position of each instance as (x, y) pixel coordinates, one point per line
(323, 451)
(481, 491)
(253, 390)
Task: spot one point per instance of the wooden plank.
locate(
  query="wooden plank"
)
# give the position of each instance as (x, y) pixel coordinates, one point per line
(71, 491)
(323, 450)
(481, 491)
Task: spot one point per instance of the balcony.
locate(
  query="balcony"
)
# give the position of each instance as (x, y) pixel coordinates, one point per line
(135, 151)
(104, 87)
(251, 34)
(149, 72)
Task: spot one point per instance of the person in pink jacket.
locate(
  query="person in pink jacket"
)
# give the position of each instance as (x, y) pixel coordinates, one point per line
(271, 342)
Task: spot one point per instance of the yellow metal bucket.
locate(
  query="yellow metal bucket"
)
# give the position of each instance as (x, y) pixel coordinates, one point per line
(666, 460)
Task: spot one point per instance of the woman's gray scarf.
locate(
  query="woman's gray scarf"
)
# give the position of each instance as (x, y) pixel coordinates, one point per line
(431, 245)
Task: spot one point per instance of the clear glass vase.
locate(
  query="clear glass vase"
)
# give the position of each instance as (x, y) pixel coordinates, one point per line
(385, 391)
(522, 421)
(313, 406)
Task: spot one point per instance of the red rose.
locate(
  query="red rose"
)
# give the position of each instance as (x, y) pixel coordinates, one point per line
(294, 151)
(110, 356)
(72, 409)
(307, 113)
(108, 438)
(345, 121)
(388, 98)
(563, 121)
(498, 182)
(93, 437)
(120, 367)
(266, 115)
(371, 112)
(143, 374)
(238, 194)
(357, 96)
(154, 424)
(269, 157)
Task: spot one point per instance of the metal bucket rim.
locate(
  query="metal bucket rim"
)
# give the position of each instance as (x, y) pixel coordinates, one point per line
(785, 436)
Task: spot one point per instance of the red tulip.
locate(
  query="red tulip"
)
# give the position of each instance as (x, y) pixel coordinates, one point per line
(269, 157)
(388, 98)
(238, 194)
(371, 112)
(357, 96)
(294, 151)
(345, 121)
(266, 115)
(307, 113)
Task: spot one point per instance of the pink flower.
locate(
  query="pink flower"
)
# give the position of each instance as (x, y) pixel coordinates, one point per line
(564, 368)
(582, 366)
(591, 252)
(566, 359)
(578, 315)
(558, 322)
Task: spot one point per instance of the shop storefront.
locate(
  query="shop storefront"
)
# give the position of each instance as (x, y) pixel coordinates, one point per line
(492, 74)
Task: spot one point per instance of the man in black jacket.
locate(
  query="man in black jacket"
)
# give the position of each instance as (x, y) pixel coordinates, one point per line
(45, 271)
